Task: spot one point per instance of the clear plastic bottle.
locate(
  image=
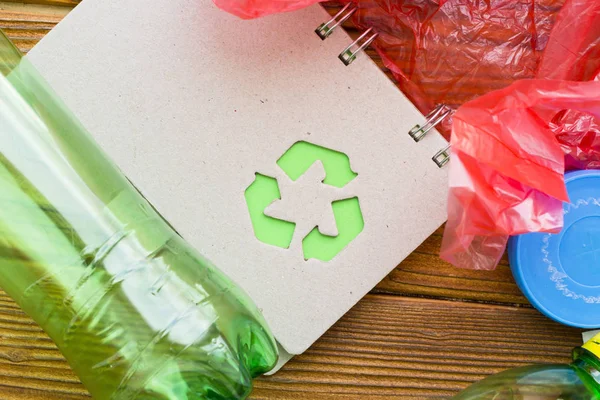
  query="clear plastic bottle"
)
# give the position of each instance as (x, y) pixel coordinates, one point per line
(579, 380)
(137, 312)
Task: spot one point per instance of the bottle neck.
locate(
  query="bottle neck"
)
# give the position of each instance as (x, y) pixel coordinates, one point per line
(586, 362)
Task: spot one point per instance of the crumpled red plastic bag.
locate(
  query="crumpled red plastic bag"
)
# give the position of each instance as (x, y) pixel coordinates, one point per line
(512, 146)
(506, 174)
(452, 51)
(574, 54)
(248, 9)
(579, 136)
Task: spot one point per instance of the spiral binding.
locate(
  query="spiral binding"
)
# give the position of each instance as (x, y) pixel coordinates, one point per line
(442, 157)
(326, 28)
(434, 117)
(349, 54)
(418, 132)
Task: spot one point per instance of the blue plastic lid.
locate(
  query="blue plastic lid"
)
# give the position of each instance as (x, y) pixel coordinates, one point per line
(560, 273)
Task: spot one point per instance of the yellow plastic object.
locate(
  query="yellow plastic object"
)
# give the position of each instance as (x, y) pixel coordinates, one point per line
(593, 345)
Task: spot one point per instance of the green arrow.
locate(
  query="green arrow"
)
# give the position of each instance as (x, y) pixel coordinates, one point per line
(302, 155)
(350, 223)
(262, 192)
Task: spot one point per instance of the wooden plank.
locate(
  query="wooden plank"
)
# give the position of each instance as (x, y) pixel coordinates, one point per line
(31, 367)
(423, 273)
(406, 348)
(63, 3)
(22, 393)
(26, 26)
(386, 346)
(34, 9)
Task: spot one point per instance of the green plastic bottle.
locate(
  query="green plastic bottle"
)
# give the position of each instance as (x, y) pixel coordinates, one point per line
(579, 380)
(136, 311)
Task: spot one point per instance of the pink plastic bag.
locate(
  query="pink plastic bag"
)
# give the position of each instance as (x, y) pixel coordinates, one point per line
(506, 174)
(511, 147)
(248, 9)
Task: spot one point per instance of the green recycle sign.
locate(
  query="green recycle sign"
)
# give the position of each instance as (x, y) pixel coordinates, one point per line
(264, 190)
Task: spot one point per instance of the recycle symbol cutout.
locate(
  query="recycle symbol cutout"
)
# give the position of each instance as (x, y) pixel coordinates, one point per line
(264, 190)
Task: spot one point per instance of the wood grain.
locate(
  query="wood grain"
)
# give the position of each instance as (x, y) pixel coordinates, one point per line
(26, 26)
(64, 3)
(395, 347)
(387, 346)
(423, 273)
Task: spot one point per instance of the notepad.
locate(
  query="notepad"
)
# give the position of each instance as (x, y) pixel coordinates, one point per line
(294, 173)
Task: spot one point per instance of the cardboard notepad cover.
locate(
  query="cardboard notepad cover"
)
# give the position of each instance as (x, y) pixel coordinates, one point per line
(192, 103)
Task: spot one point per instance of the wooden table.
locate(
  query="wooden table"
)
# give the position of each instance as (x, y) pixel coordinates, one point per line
(426, 331)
